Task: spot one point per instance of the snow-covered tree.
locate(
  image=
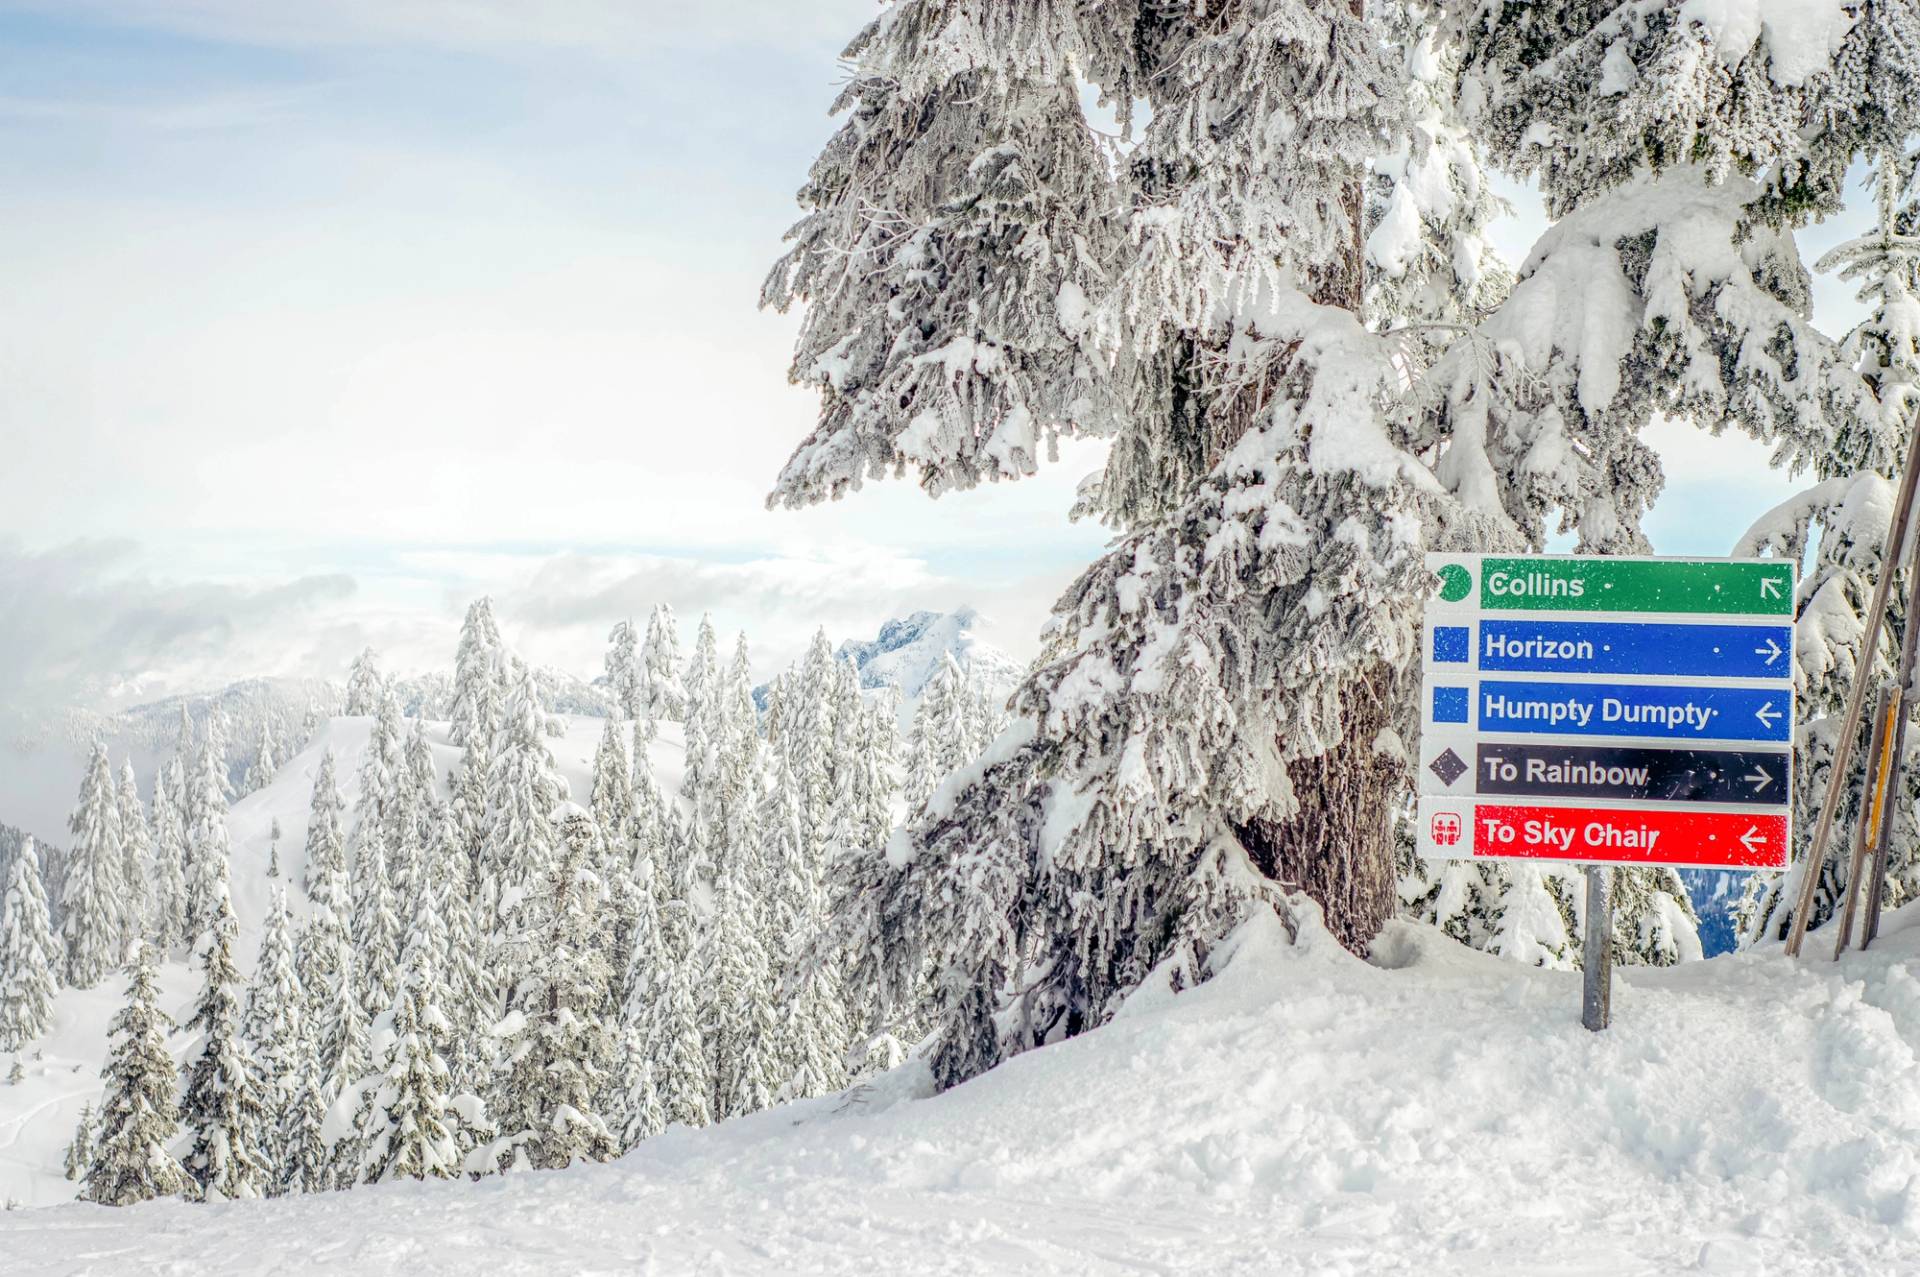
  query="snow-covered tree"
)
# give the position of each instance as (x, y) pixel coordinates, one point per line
(136, 850)
(1837, 527)
(810, 1032)
(1214, 716)
(681, 1075)
(376, 933)
(273, 848)
(477, 690)
(305, 1164)
(345, 1059)
(660, 667)
(273, 1027)
(139, 1115)
(408, 1121)
(365, 685)
(522, 846)
(168, 926)
(223, 1109)
(78, 1158)
(91, 896)
(27, 953)
(209, 846)
(626, 677)
(558, 1056)
(326, 939)
(743, 1023)
(263, 768)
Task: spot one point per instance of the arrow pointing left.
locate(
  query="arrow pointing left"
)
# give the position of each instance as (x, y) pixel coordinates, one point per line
(1753, 839)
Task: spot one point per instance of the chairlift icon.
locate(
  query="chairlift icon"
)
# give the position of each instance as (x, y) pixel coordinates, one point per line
(1445, 828)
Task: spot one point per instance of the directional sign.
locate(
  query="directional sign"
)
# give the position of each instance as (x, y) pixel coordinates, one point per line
(1642, 710)
(1620, 773)
(1702, 838)
(1714, 587)
(1614, 710)
(1512, 645)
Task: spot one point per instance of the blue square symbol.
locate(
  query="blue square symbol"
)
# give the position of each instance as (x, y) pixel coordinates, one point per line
(1450, 705)
(1452, 643)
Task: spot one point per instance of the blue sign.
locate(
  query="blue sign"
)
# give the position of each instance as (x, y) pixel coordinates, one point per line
(1510, 645)
(1632, 709)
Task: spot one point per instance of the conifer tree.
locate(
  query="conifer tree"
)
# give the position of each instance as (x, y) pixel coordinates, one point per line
(273, 1028)
(273, 848)
(810, 1030)
(28, 953)
(326, 938)
(346, 1059)
(625, 675)
(521, 848)
(168, 926)
(1213, 711)
(408, 1121)
(477, 675)
(263, 768)
(91, 895)
(223, 1109)
(559, 1057)
(612, 798)
(209, 849)
(365, 686)
(305, 1164)
(633, 1102)
(682, 1078)
(376, 933)
(660, 667)
(140, 1115)
(79, 1156)
(136, 850)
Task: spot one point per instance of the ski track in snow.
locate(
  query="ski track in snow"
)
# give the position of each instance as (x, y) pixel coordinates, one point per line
(1434, 1111)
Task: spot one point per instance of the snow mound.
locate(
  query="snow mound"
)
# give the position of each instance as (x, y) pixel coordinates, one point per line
(1436, 1111)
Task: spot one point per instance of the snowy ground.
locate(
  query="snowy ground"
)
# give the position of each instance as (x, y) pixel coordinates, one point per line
(1436, 1111)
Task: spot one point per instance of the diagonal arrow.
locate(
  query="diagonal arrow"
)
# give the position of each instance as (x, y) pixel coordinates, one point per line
(1759, 778)
(1769, 587)
(1772, 651)
(1753, 840)
(1766, 714)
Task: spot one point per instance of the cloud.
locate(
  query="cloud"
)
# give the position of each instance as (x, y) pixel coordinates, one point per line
(85, 624)
(607, 28)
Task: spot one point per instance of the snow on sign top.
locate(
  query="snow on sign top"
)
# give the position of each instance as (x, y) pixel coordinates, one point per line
(1721, 587)
(1608, 710)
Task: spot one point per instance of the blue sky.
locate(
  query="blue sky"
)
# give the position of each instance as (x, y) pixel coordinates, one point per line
(323, 318)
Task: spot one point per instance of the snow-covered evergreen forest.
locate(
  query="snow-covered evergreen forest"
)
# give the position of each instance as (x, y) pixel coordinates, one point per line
(465, 965)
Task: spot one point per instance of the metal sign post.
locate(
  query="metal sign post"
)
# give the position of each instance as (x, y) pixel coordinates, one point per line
(1608, 711)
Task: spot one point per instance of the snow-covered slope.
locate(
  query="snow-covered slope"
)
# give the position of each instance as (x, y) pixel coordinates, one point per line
(906, 653)
(38, 1116)
(1435, 1112)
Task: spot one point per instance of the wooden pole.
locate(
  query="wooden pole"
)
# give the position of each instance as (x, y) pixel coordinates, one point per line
(1856, 698)
(1596, 977)
(1871, 799)
(1895, 762)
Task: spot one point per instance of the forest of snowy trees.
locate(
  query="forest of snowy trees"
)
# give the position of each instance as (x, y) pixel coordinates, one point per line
(482, 972)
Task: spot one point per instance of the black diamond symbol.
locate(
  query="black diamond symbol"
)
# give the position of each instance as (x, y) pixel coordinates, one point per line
(1447, 767)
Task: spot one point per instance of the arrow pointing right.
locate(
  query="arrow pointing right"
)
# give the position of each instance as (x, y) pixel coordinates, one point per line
(1753, 839)
(1772, 651)
(1759, 778)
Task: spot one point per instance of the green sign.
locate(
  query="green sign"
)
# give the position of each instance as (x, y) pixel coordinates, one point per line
(1636, 585)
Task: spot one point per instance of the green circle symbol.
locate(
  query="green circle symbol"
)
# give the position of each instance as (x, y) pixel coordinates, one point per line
(1455, 583)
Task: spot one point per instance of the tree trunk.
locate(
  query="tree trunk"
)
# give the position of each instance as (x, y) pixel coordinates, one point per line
(1338, 846)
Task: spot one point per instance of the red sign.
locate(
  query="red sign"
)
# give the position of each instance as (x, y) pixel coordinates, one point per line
(1605, 835)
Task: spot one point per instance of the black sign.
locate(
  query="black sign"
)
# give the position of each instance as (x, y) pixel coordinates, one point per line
(1640, 773)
